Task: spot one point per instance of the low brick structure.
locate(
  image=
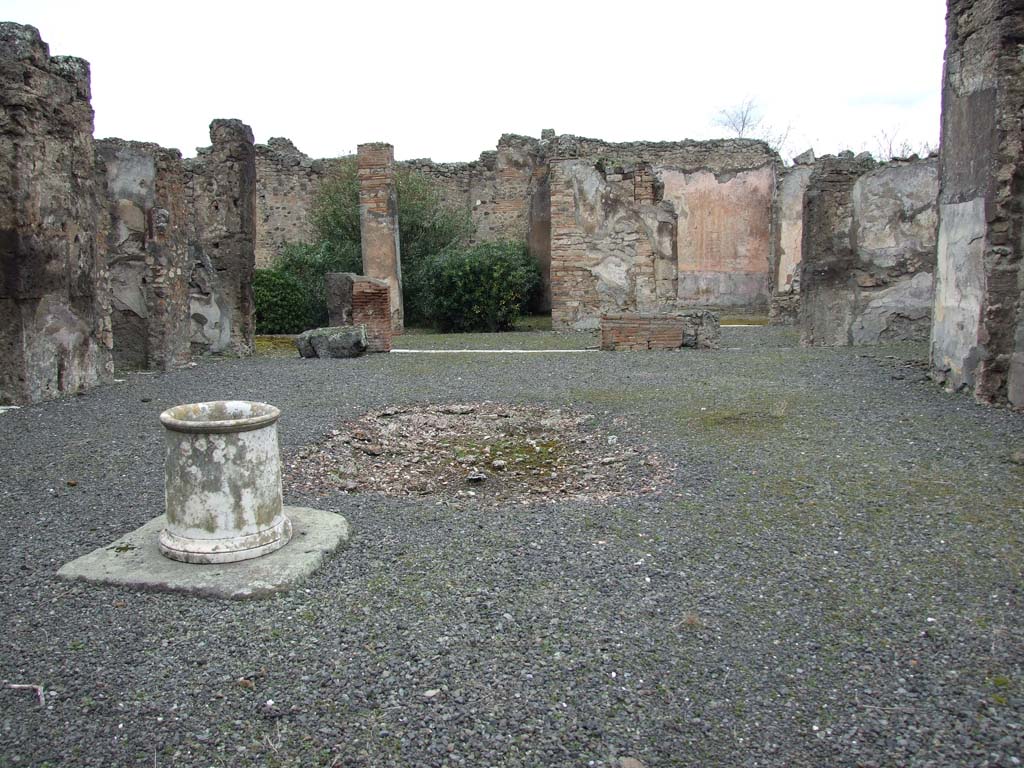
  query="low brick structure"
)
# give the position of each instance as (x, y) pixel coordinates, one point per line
(697, 328)
(357, 300)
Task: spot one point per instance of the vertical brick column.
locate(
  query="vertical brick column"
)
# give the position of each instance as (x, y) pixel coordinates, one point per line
(378, 221)
(977, 340)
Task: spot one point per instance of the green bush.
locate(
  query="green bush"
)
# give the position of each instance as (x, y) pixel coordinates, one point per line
(281, 303)
(482, 288)
(426, 226)
(306, 266)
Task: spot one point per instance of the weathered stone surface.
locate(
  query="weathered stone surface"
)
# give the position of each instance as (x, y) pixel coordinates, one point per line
(134, 561)
(287, 182)
(828, 255)
(221, 183)
(868, 251)
(54, 302)
(805, 158)
(338, 287)
(222, 480)
(788, 216)
(346, 341)
(378, 222)
(698, 329)
(610, 252)
(978, 324)
(147, 256)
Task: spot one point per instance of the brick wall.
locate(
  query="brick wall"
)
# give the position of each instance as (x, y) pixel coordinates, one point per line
(631, 332)
(371, 307)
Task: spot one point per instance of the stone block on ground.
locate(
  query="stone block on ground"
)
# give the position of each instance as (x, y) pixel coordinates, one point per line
(134, 561)
(343, 341)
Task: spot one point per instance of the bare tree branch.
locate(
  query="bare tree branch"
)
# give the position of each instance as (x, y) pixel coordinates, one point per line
(742, 119)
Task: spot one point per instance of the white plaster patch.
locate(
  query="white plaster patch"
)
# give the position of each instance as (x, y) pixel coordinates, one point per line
(959, 289)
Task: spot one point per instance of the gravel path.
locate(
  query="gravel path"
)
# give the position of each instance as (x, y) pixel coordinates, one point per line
(833, 577)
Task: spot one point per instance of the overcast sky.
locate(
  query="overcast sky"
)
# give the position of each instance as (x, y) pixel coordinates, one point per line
(445, 79)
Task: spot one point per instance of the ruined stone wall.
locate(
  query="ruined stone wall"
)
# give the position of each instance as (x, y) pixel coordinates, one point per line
(287, 183)
(54, 305)
(612, 244)
(868, 251)
(722, 192)
(221, 184)
(378, 222)
(146, 250)
(787, 233)
(977, 337)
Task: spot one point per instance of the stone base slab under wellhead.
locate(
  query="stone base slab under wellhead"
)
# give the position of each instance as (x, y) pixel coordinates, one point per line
(134, 561)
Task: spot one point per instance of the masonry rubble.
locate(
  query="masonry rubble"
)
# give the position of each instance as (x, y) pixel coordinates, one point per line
(287, 183)
(112, 249)
(977, 334)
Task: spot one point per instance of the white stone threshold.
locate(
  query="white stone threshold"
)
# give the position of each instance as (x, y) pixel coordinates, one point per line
(489, 351)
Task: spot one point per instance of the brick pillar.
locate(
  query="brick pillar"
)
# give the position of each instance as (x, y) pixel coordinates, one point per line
(977, 340)
(378, 221)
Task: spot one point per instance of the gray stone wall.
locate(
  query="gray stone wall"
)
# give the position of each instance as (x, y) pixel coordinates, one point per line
(54, 304)
(868, 251)
(221, 185)
(146, 251)
(287, 183)
(977, 339)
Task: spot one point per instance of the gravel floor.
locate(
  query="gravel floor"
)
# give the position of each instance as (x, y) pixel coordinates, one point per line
(832, 578)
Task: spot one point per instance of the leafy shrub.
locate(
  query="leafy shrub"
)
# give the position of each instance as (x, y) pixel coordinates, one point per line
(306, 266)
(426, 226)
(481, 288)
(281, 303)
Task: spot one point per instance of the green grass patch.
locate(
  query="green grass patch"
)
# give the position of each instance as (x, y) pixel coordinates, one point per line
(276, 346)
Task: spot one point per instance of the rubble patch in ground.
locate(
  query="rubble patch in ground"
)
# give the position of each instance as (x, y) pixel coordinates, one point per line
(482, 452)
